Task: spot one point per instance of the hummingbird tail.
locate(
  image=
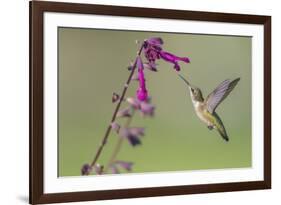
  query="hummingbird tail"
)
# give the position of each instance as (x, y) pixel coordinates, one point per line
(220, 127)
(223, 134)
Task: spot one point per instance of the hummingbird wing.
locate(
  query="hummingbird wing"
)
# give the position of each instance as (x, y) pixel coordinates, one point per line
(219, 94)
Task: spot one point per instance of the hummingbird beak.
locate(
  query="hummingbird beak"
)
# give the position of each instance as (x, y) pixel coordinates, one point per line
(184, 80)
(188, 84)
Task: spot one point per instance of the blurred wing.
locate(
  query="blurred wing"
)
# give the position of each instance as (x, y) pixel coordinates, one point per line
(219, 94)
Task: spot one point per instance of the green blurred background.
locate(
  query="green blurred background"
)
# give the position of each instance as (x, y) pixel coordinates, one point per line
(93, 65)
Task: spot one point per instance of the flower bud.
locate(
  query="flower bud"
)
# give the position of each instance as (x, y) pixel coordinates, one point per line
(115, 97)
(86, 169)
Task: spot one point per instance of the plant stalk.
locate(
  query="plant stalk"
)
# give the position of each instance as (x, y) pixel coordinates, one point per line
(119, 143)
(104, 140)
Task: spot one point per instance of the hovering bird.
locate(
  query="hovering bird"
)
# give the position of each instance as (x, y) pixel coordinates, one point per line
(205, 109)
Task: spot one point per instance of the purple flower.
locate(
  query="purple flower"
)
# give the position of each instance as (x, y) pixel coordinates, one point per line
(115, 126)
(114, 169)
(132, 134)
(98, 169)
(135, 77)
(136, 131)
(135, 103)
(150, 66)
(125, 165)
(124, 113)
(155, 41)
(120, 164)
(142, 91)
(153, 51)
(86, 169)
(147, 109)
(173, 59)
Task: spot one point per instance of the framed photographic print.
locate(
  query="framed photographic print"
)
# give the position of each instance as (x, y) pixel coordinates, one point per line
(135, 102)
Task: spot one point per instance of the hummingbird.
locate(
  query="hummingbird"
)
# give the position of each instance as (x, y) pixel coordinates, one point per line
(205, 109)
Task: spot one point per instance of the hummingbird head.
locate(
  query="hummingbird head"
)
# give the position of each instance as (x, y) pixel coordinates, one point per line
(195, 93)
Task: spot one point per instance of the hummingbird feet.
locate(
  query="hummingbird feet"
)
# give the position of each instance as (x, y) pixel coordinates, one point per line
(210, 127)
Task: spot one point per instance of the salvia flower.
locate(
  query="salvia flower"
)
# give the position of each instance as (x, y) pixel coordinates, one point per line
(147, 109)
(124, 113)
(114, 169)
(98, 169)
(125, 165)
(150, 66)
(115, 126)
(135, 103)
(120, 164)
(142, 91)
(135, 77)
(173, 59)
(153, 51)
(155, 41)
(132, 134)
(86, 169)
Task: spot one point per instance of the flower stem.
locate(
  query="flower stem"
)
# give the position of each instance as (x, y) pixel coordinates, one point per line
(119, 144)
(104, 140)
